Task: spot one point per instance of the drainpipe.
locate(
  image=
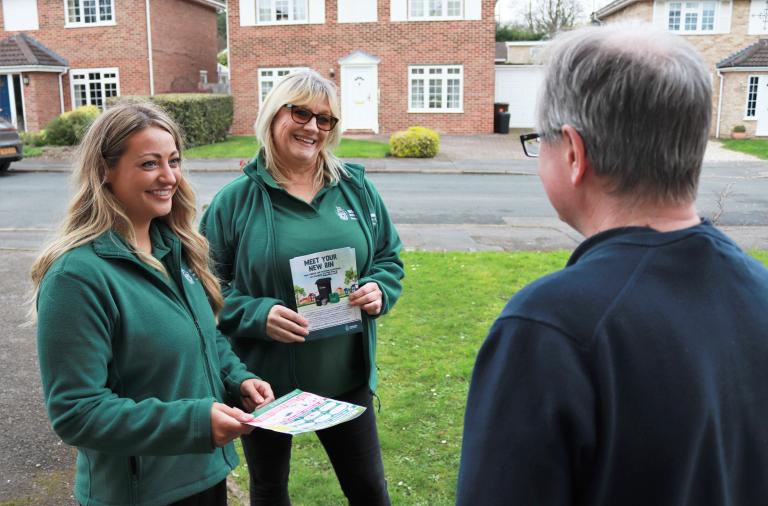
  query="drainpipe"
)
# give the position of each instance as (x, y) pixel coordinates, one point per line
(719, 104)
(149, 53)
(61, 90)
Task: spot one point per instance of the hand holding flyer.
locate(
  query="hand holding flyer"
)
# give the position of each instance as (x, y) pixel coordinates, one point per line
(322, 283)
(298, 412)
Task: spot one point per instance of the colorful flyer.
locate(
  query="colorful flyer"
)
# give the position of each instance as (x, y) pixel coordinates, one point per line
(298, 412)
(322, 283)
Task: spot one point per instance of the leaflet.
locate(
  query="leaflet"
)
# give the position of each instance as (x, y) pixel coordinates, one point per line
(298, 412)
(322, 283)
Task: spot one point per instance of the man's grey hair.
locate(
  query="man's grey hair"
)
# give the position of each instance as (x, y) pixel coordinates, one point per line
(641, 100)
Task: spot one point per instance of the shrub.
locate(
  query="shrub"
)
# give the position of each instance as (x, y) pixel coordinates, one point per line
(204, 118)
(68, 128)
(35, 139)
(739, 129)
(416, 142)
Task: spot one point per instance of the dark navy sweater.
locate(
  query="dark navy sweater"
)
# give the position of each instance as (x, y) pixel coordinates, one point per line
(637, 375)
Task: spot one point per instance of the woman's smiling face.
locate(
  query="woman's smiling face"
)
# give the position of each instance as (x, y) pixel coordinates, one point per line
(147, 175)
(296, 145)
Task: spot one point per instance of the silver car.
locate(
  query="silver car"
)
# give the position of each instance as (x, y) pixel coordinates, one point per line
(11, 149)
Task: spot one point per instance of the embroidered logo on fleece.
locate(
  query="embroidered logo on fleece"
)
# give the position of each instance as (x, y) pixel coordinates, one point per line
(189, 276)
(342, 214)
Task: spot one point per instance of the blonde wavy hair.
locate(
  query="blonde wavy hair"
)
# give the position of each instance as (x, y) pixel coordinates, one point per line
(95, 210)
(301, 88)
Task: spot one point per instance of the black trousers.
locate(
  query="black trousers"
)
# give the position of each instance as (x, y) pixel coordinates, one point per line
(352, 447)
(214, 496)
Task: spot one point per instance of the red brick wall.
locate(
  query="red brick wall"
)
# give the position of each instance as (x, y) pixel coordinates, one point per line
(181, 50)
(398, 45)
(41, 99)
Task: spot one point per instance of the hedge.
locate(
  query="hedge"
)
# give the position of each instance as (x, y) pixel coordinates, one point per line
(204, 118)
(416, 142)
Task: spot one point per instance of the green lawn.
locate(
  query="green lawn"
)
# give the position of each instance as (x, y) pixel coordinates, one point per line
(245, 146)
(756, 147)
(32, 151)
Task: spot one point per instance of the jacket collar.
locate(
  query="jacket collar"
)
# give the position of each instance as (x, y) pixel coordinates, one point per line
(643, 236)
(113, 244)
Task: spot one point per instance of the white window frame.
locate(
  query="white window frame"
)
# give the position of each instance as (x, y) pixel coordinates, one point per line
(444, 77)
(753, 82)
(89, 99)
(291, 14)
(426, 16)
(274, 78)
(686, 8)
(81, 24)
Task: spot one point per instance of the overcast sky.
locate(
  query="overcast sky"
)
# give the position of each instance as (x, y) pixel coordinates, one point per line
(511, 11)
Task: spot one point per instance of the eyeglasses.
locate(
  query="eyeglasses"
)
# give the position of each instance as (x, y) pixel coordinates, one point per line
(302, 116)
(531, 143)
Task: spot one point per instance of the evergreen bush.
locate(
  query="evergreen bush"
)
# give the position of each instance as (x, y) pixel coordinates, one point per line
(415, 142)
(68, 128)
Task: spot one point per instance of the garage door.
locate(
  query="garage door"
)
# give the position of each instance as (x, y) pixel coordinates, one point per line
(517, 85)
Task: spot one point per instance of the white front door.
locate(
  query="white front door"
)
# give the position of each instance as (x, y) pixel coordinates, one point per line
(761, 107)
(359, 97)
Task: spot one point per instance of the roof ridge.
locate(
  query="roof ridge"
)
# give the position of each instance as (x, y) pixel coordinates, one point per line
(743, 55)
(22, 44)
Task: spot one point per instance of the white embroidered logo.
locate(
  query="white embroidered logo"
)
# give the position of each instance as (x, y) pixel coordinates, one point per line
(190, 277)
(342, 213)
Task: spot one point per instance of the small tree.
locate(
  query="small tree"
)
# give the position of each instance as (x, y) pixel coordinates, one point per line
(551, 16)
(349, 276)
(298, 292)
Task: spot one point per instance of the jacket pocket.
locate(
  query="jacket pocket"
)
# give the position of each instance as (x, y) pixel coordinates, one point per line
(134, 467)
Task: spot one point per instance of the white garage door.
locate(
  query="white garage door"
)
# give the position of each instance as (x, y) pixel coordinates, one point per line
(517, 85)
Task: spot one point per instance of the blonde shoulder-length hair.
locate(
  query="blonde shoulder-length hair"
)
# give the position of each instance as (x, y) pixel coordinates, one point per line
(95, 210)
(301, 88)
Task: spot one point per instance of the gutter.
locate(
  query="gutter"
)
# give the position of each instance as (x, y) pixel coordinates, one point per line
(719, 104)
(149, 53)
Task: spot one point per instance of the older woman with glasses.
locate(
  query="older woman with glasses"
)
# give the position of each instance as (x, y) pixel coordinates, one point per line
(296, 198)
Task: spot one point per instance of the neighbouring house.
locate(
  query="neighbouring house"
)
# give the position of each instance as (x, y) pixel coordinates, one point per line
(56, 55)
(398, 63)
(519, 75)
(732, 35)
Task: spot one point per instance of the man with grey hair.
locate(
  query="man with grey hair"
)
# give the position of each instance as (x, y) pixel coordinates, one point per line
(638, 374)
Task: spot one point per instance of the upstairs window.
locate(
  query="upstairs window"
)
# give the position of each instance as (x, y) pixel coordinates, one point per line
(90, 12)
(691, 17)
(435, 9)
(751, 97)
(93, 86)
(269, 77)
(281, 11)
(435, 88)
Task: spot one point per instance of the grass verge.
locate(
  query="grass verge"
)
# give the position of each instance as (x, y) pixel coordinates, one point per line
(245, 146)
(754, 147)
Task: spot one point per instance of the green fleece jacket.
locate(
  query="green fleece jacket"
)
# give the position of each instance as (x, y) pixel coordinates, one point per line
(131, 363)
(241, 231)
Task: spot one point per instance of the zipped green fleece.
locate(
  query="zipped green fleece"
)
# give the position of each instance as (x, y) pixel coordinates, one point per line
(240, 228)
(131, 363)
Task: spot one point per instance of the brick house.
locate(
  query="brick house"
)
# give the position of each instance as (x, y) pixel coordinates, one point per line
(398, 63)
(56, 55)
(731, 36)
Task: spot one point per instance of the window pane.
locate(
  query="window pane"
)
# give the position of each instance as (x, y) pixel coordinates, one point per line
(708, 16)
(300, 10)
(435, 8)
(265, 10)
(105, 10)
(454, 93)
(435, 93)
(266, 87)
(674, 16)
(73, 11)
(417, 8)
(454, 7)
(752, 97)
(417, 93)
(81, 97)
(89, 11)
(281, 10)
